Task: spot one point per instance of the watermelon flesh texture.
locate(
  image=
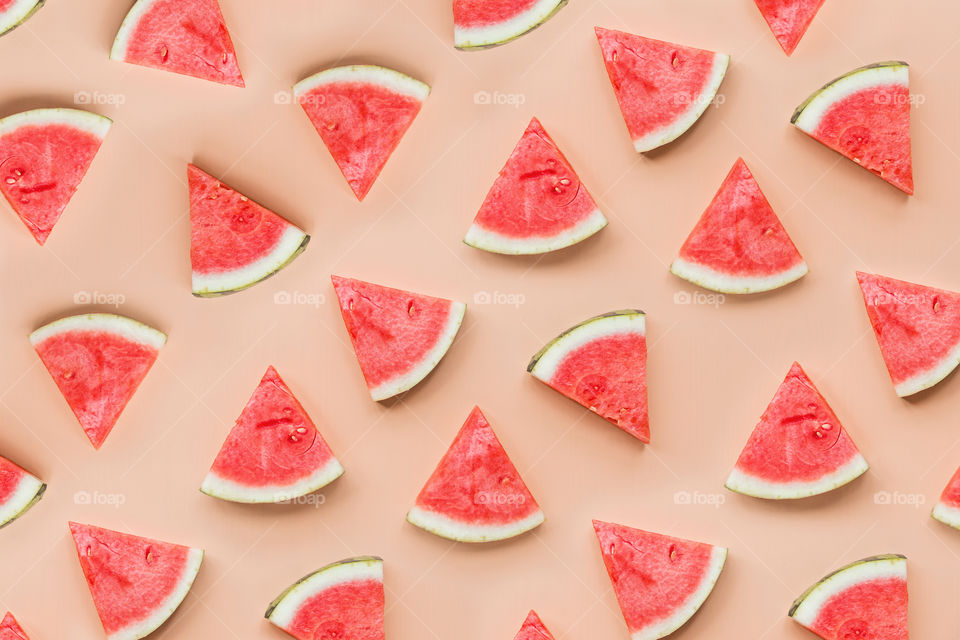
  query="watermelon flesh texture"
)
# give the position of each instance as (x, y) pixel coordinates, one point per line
(10, 630)
(865, 116)
(188, 37)
(476, 494)
(478, 24)
(799, 448)
(274, 451)
(533, 629)
(660, 581)
(19, 491)
(361, 113)
(789, 19)
(947, 509)
(234, 242)
(136, 583)
(739, 244)
(398, 336)
(917, 328)
(13, 13)
(44, 155)
(537, 203)
(662, 88)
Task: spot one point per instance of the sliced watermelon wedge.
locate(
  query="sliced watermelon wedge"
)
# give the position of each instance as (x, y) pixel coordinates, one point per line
(789, 19)
(97, 360)
(19, 491)
(136, 583)
(188, 37)
(739, 245)
(660, 581)
(274, 452)
(602, 364)
(361, 112)
(533, 629)
(235, 243)
(798, 449)
(662, 88)
(537, 203)
(917, 328)
(398, 336)
(480, 24)
(10, 630)
(44, 154)
(476, 494)
(865, 116)
(865, 599)
(13, 13)
(342, 600)
(947, 509)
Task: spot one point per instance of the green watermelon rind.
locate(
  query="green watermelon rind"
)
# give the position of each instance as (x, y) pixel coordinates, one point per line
(731, 283)
(571, 338)
(385, 77)
(477, 38)
(217, 486)
(806, 608)
(29, 491)
(947, 514)
(755, 487)
(807, 116)
(446, 527)
(292, 243)
(24, 11)
(122, 326)
(494, 242)
(88, 121)
(118, 51)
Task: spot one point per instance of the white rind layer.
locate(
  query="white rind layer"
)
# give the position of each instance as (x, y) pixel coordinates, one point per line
(684, 121)
(685, 611)
(446, 527)
(21, 499)
(289, 604)
(548, 362)
(729, 283)
(367, 74)
(225, 489)
(927, 379)
(289, 245)
(17, 13)
(495, 242)
(759, 488)
(92, 123)
(106, 322)
(119, 49)
(808, 610)
(490, 35)
(149, 624)
(943, 512)
(418, 372)
(809, 116)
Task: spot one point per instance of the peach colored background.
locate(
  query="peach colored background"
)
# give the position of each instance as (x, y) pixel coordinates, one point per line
(712, 369)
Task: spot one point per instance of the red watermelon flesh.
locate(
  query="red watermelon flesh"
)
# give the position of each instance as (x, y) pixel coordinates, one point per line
(789, 19)
(917, 328)
(188, 37)
(487, 23)
(660, 581)
(533, 629)
(476, 494)
(10, 630)
(19, 491)
(947, 509)
(537, 203)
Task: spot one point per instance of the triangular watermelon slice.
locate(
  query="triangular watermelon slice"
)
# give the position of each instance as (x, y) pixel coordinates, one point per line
(660, 581)
(274, 451)
(739, 244)
(136, 583)
(789, 19)
(865, 599)
(865, 116)
(662, 88)
(13, 13)
(188, 37)
(917, 328)
(342, 600)
(798, 449)
(537, 203)
(19, 491)
(398, 336)
(234, 242)
(97, 360)
(602, 364)
(947, 509)
(46, 153)
(533, 629)
(10, 630)
(476, 494)
(361, 112)
(479, 24)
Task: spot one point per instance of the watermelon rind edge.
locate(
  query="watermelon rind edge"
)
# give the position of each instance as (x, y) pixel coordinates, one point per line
(494, 242)
(732, 283)
(22, 11)
(385, 77)
(292, 243)
(281, 611)
(806, 607)
(119, 49)
(930, 377)
(807, 116)
(753, 486)
(28, 493)
(218, 487)
(93, 123)
(478, 38)
(123, 326)
(947, 514)
(544, 362)
(446, 527)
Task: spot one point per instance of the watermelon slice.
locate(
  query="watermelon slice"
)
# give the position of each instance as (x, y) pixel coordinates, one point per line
(44, 154)
(18, 492)
(602, 364)
(662, 88)
(235, 243)
(13, 13)
(866, 599)
(798, 449)
(274, 451)
(865, 116)
(789, 19)
(479, 24)
(476, 494)
(342, 600)
(97, 360)
(10, 630)
(537, 203)
(917, 327)
(361, 112)
(136, 583)
(188, 37)
(660, 581)
(739, 245)
(532, 629)
(398, 336)
(947, 509)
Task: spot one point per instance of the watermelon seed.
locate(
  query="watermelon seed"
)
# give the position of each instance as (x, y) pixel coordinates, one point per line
(148, 556)
(294, 438)
(676, 59)
(164, 53)
(243, 198)
(936, 304)
(11, 180)
(224, 58)
(411, 309)
(302, 430)
(564, 181)
(673, 552)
